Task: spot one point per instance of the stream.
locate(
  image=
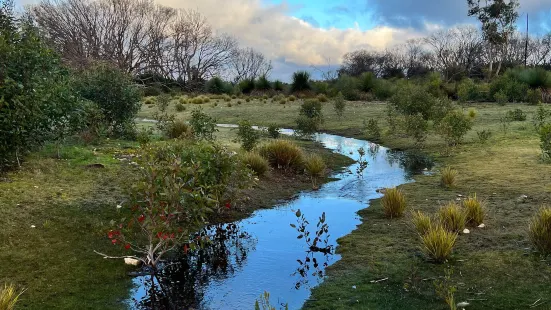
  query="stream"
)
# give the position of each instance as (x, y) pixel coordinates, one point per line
(262, 253)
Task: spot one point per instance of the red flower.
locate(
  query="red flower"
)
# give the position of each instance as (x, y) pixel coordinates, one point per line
(141, 218)
(228, 205)
(159, 234)
(127, 246)
(172, 236)
(186, 248)
(110, 234)
(165, 236)
(114, 241)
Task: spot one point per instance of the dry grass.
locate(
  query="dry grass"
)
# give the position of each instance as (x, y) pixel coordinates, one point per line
(283, 154)
(474, 210)
(448, 177)
(315, 167)
(438, 243)
(256, 163)
(421, 222)
(540, 230)
(394, 203)
(452, 217)
(9, 297)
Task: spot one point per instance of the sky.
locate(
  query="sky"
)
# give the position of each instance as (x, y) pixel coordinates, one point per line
(308, 34)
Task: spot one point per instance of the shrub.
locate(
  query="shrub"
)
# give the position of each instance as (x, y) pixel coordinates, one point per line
(282, 101)
(226, 98)
(247, 135)
(9, 297)
(454, 126)
(448, 177)
(484, 135)
(438, 243)
(143, 136)
(178, 129)
(474, 211)
(217, 86)
(367, 82)
(197, 100)
(292, 98)
(416, 127)
(273, 131)
(182, 100)
(258, 164)
(322, 98)
(348, 87)
(310, 117)
(339, 105)
(545, 141)
(372, 129)
(452, 217)
(320, 87)
(533, 96)
(540, 117)
(301, 81)
(283, 154)
(150, 100)
(278, 86)
(421, 222)
(180, 107)
(383, 89)
(468, 91)
(228, 105)
(472, 113)
(516, 115)
(411, 99)
(248, 99)
(246, 86)
(202, 125)
(263, 84)
(501, 98)
(540, 230)
(394, 203)
(314, 166)
(238, 101)
(534, 78)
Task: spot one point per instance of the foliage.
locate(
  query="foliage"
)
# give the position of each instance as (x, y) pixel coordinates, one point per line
(258, 164)
(545, 141)
(468, 91)
(416, 127)
(383, 89)
(322, 98)
(314, 166)
(247, 135)
(163, 117)
(391, 117)
(150, 100)
(540, 117)
(180, 107)
(246, 86)
(348, 87)
(438, 243)
(452, 217)
(536, 78)
(113, 91)
(203, 125)
(484, 135)
(310, 117)
(454, 126)
(505, 89)
(367, 81)
(273, 131)
(474, 210)
(283, 154)
(446, 290)
(178, 129)
(292, 98)
(540, 230)
(411, 99)
(516, 115)
(263, 84)
(394, 203)
(263, 303)
(448, 177)
(9, 297)
(472, 113)
(421, 222)
(278, 85)
(339, 105)
(143, 136)
(372, 129)
(218, 86)
(533, 96)
(301, 81)
(362, 163)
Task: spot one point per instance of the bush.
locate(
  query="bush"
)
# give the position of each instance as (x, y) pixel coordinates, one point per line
(9, 297)
(180, 107)
(394, 203)
(292, 98)
(143, 136)
(484, 135)
(322, 98)
(227, 98)
(202, 125)
(339, 105)
(301, 81)
(468, 91)
(217, 86)
(509, 88)
(533, 96)
(314, 166)
(278, 86)
(545, 141)
(248, 99)
(448, 177)
(178, 129)
(348, 86)
(258, 164)
(371, 129)
(263, 84)
(535, 78)
(452, 217)
(273, 131)
(421, 222)
(150, 100)
(540, 230)
(472, 113)
(283, 154)
(367, 82)
(114, 92)
(438, 243)
(416, 127)
(383, 89)
(501, 98)
(310, 117)
(540, 117)
(454, 126)
(282, 101)
(247, 135)
(516, 115)
(411, 99)
(474, 211)
(246, 86)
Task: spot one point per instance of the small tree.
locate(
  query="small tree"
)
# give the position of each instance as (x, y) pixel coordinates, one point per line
(247, 135)
(310, 117)
(301, 81)
(340, 105)
(454, 126)
(203, 125)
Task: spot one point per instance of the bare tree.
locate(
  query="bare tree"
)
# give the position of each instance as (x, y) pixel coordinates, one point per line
(247, 63)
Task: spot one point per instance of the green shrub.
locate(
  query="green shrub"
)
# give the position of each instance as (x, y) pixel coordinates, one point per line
(180, 107)
(202, 125)
(9, 297)
(339, 105)
(278, 86)
(301, 81)
(348, 86)
(533, 96)
(540, 230)
(411, 99)
(258, 164)
(322, 98)
(246, 86)
(448, 177)
(545, 141)
(143, 136)
(283, 154)
(468, 91)
(416, 127)
(178, 129)
(310, 117)
(217, 86)
(314, 166)
(484, 135)
(472, 113)
(371, 129)
(263, 84)
(540, 117)
(247, 135)
(454, 126)
(509, 88)
(438, 243)
(452, 217)
(501, 98)
(474, 211)
(367, 82)
(534, 78)
(421, 222)
(516, 115)
(292, 98)
(320, 87)
(383, 89)
(273, 131)
(394, 203)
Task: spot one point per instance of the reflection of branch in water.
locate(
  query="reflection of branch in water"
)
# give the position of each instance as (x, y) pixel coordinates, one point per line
(215, 252)
(412, 162)
(318, 243)
(373, 150)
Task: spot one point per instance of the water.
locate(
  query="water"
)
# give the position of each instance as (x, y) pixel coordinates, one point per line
(263, 252)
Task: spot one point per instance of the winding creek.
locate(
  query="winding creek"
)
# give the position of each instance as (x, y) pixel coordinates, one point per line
(263, 253)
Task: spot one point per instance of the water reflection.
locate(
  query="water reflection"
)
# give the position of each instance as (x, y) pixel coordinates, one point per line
(413, 162)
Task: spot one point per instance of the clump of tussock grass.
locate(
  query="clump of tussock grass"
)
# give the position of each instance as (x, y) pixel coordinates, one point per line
(180, 107)
(150, 100)
(472, 113)
(452, 217)
(226, 98)
(394, 203)
(474, 210)
(248, 99)
(282, 101)
(229, 104)
(438, 243)
(291, 98)
(322, 98)
(9, 297)
(314, 166)
(283, 154)
(448, 177)
(421, 222)
(197, 100)
(258, 164)
(178, 129)
(182, 100)
(539, 230)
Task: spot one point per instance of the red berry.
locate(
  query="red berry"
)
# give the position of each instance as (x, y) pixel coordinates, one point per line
(114, 241)
(127, 246)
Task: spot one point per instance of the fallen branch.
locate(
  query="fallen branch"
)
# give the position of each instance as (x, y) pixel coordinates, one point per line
(119, 257)
(377, 281)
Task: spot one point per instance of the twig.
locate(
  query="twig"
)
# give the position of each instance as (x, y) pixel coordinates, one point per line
(377, 281)
(118, 257)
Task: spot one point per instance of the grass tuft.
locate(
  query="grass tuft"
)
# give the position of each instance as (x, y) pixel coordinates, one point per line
(8, 297)
(474, 211)
(540, 230)
(322, 98)
(394, 203)
(315, 166)
(438, 243)
(448, 177)
(421, 222)
(283, 154)
(178, 129)
(258, 164)
(452, 217)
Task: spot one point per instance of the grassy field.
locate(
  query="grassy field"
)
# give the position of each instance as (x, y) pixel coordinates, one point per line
(55, 213)
(493, 268)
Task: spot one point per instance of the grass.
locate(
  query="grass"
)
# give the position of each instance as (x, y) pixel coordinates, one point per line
(315, 167)
(421, 222)
(540, 230)
(452, 217)
(438, 243)
(283, 154)
(9, 297)
(448, 177)
(256, 163)
(394, 203)
(474, 210)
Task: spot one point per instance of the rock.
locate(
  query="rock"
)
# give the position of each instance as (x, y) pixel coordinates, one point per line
(463, 304)
(132, 261)
(458, 199)
(522, 198)
(481, 225)
(33, 226)
(354, 286)
(459, 195)
(466, 231)
(98, 166)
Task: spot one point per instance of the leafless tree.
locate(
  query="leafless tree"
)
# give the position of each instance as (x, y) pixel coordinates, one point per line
(247, 63)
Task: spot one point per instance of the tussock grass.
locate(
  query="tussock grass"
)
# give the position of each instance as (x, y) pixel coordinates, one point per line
(283, 154)
(292, 98)
(150, 100)
(8, 297)
(315, 167)
(473, 113)
(258, 164)
(322, 98)
(474, 210)
(438, 243)
(421, 222)
(448, 177)
(394, 203)
(452, 217)
(180, 107)
(540, 230)
(178, 129)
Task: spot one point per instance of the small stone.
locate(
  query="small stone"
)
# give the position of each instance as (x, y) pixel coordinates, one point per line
(458, 199)
(33, 226)
(35, 186)
(463, 304)
(131, 261)
(466, 231)
(459, 195)
(481, 225)
(522, 198)
(119, 206)
(354, 286)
